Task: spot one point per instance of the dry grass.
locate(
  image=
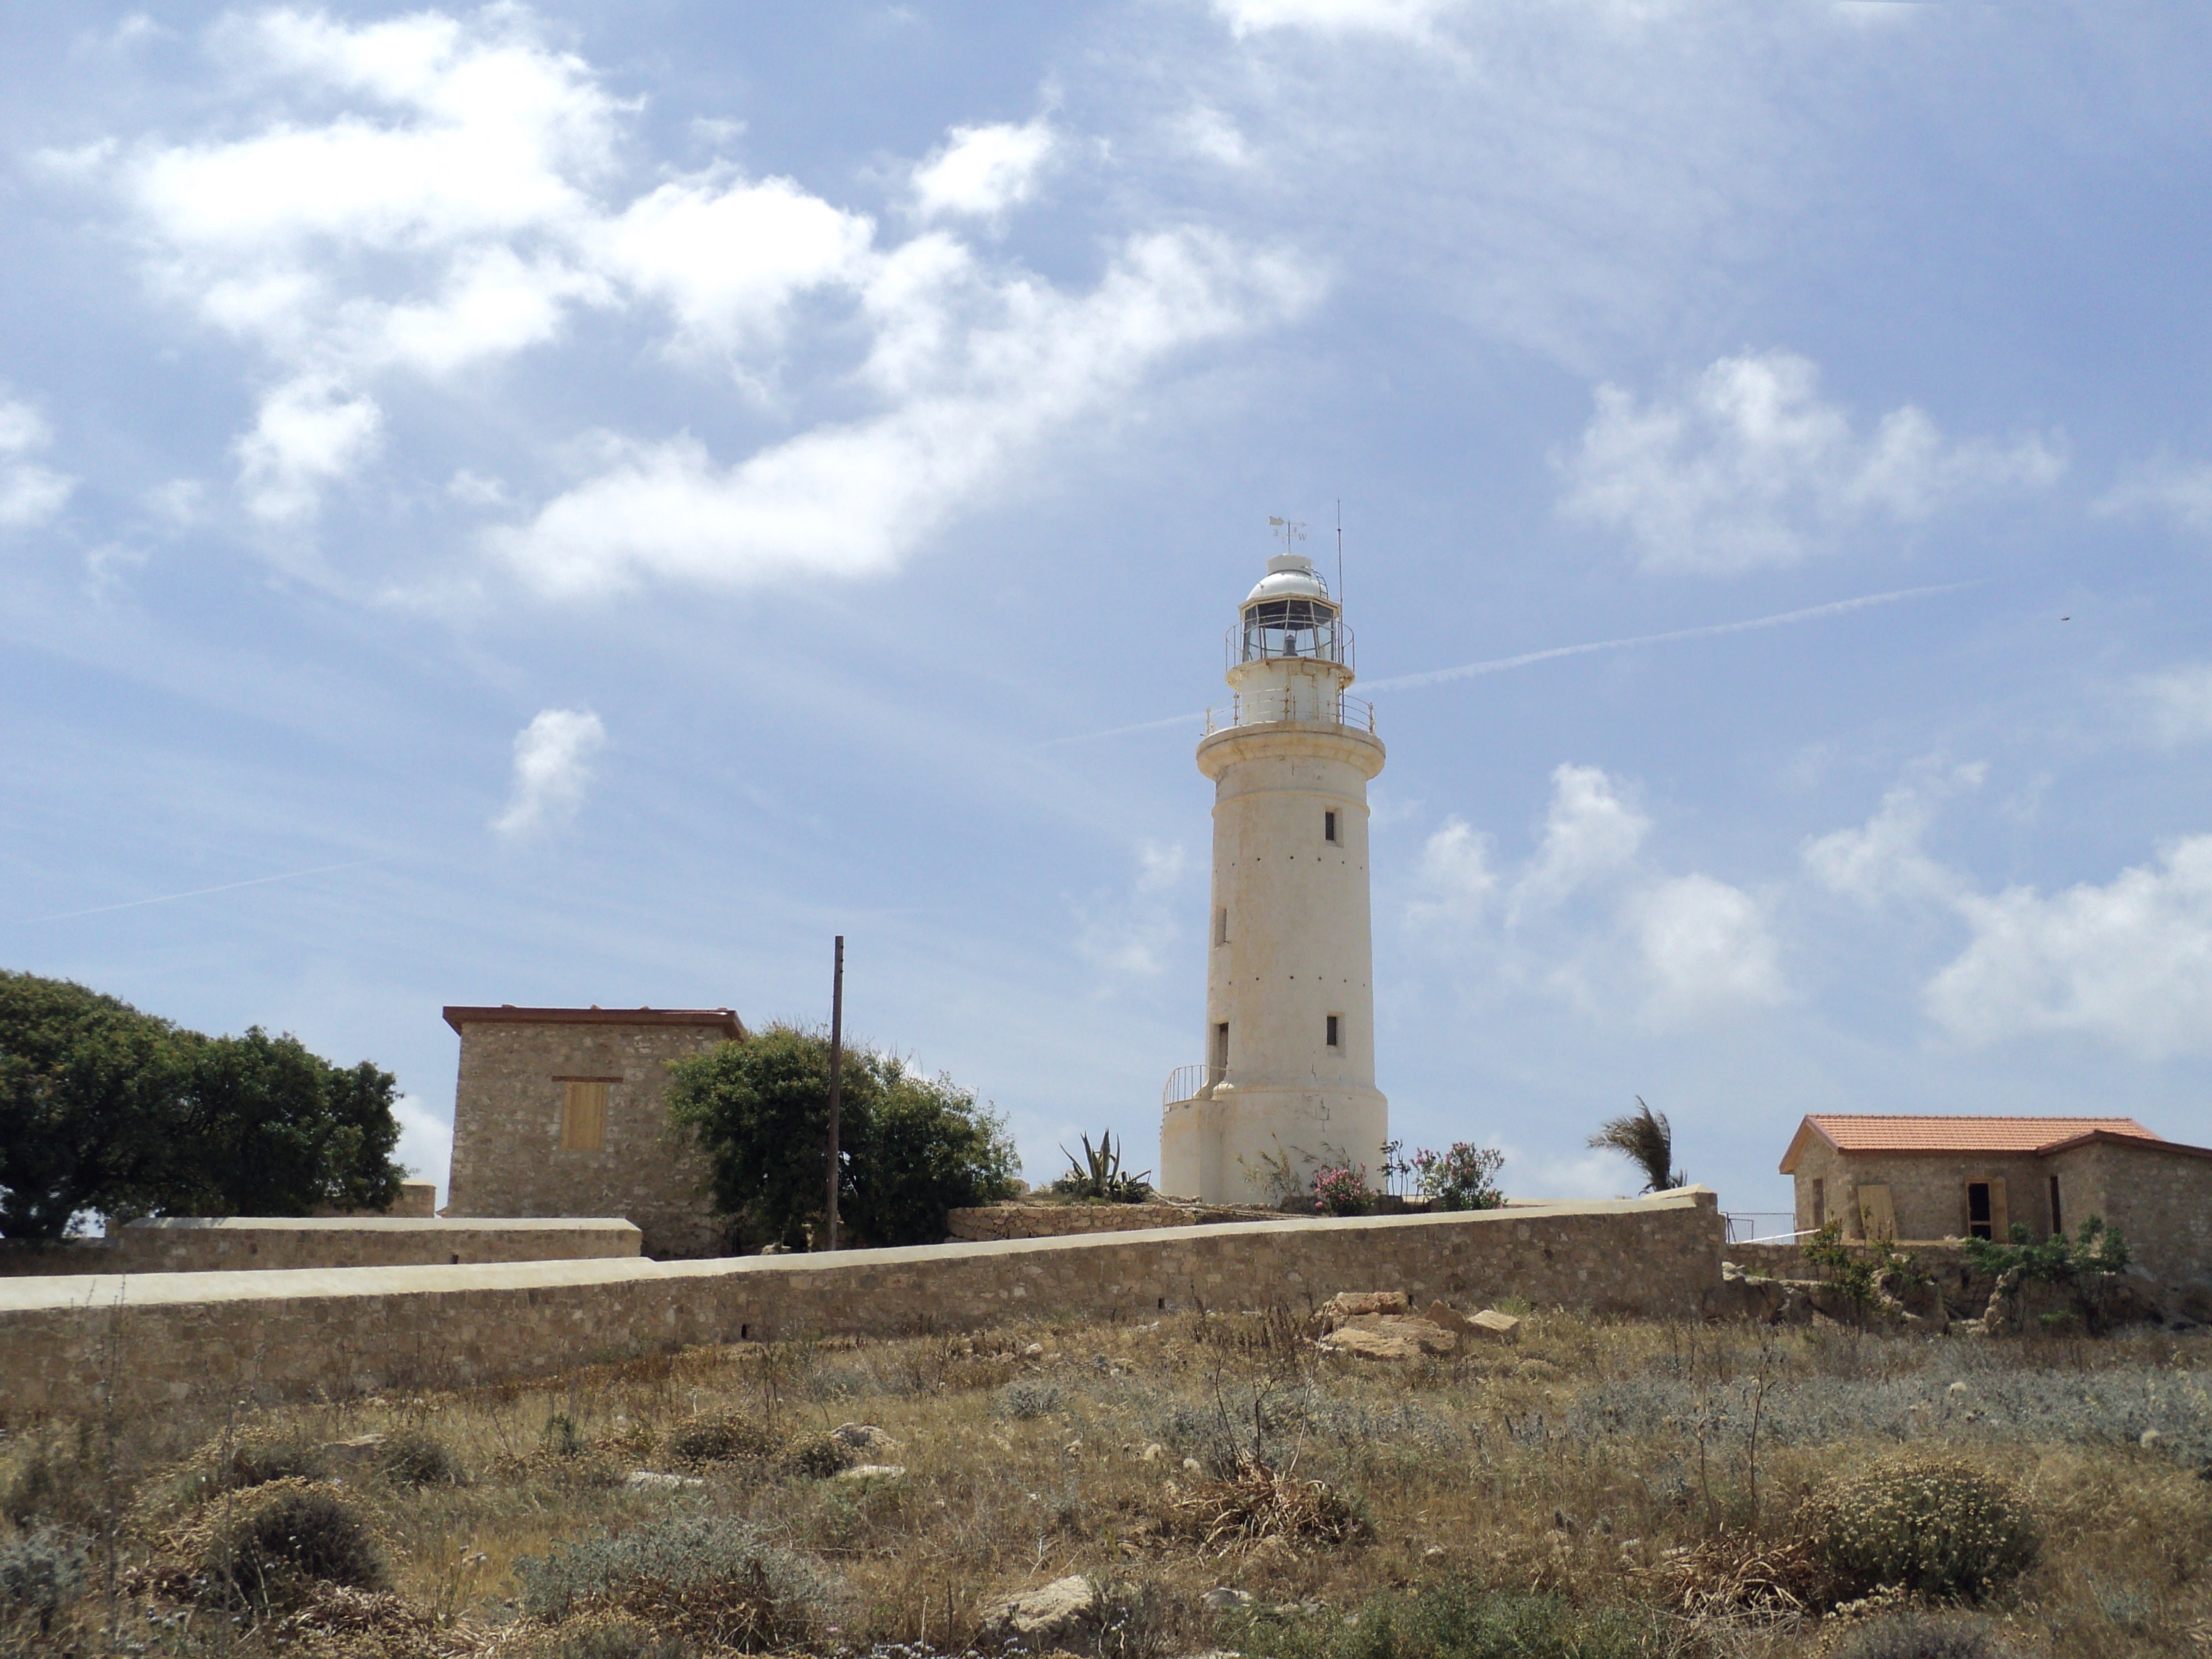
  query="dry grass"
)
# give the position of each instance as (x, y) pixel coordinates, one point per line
(1594, 1464)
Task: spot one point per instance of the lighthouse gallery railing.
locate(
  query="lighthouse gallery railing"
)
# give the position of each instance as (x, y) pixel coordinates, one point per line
(1267, 707)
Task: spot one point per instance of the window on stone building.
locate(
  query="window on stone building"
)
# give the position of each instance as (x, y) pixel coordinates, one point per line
(1336, 1031)
(1328, 826)
(583, 1114)
(1819, 1202)
(2057, 1216)
(1221, 1047)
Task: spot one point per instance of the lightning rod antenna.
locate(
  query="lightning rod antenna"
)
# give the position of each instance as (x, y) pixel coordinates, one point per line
(1339, 552)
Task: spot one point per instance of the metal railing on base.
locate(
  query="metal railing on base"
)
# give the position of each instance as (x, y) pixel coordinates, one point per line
(1189, 1082)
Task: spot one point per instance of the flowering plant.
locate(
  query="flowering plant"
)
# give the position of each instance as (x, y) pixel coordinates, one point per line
(1464, 1178)
(1343, 1191)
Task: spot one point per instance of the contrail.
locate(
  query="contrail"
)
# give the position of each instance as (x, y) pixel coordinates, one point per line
(1468, 670)
(1496, 664)
(202, 892)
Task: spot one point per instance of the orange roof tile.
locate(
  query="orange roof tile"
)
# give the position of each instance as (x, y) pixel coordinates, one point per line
(1873, 1131)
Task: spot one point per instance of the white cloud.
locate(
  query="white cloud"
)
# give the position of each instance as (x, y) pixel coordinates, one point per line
(1589, 833)
(1750, 466)
(1206, 132)
(309, 432)
(981, 171)
(969, 399)
(1705, 948)
(2166, 488)
(2129, 963)
(553, 759)
(1454, 875)
(425, 1144)
(1883, 859)
(1130, 937)
(2181, 702)
(30, 494)
(1410, 18)
(431, 195)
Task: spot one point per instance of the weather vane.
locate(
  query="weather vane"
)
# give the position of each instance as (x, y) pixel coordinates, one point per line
(1291, 530)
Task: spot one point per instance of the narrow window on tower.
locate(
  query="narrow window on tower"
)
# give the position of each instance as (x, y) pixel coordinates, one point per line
(1221, 1048)
(1328, 826)
(1221, 925)
(1336, 1031)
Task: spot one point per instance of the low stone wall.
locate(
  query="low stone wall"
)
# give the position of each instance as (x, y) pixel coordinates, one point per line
(265, 1243)
(169, 1338)
(986, 1221)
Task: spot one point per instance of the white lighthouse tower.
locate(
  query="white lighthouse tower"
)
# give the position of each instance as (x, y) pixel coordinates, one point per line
(1288, 1082)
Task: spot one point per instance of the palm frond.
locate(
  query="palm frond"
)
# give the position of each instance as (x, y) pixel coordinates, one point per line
(1646, 1139)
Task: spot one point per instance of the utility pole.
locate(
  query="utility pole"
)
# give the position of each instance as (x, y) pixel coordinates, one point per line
(836, 1063)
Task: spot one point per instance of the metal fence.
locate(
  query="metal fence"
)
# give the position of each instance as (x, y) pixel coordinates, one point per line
(1761, 1226)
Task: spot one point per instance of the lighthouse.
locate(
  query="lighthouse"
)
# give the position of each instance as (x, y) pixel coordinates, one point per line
(1287, 1085)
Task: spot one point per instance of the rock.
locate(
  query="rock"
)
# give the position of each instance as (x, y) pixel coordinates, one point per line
(1041, 1617)
(1371, 1336)
(865, 1437)
(1035, 1350)
(872, 1472)
(653, 1480)
(349, 1454)
(1446, 1318)
(1225, 1599)
(1350, 1304)
(2150, 1439)
(1491, 1323)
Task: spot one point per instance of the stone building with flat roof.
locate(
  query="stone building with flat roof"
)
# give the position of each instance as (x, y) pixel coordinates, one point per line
(562, 1112)
(1929, 1178)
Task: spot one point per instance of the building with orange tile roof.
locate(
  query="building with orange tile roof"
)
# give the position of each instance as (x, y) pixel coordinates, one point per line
(1927, 1178)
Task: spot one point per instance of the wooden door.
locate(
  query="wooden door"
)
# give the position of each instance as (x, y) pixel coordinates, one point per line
(2000, 1216)
(1877, 1218)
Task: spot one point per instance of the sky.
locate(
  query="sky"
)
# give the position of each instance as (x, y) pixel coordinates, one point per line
(582, 503)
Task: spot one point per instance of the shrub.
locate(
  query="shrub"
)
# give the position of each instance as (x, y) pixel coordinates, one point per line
(1257, 1502)
(291, 1531)
(259, 1460)
(819, 1456)
(2054, 1260)
(913, 1147)
(415, 1457)
(1027, 1397)
(1915, 1635)
(53, 1486)
(719, 1437)
(1934, 1526)
(41, 1573)
(709, 1579)
(1454, 1621)
(1463, 1178)
(1098, 1174)
(1343, 1191)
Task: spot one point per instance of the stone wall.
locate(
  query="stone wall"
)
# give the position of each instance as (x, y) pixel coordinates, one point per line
(507, 1156)
(1927, 1190)
(985, 1221)
(267, 1243)
(2160, 1198)
(175, 1337)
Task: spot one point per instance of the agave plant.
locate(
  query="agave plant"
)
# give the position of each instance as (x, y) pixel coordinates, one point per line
(1098, 1174)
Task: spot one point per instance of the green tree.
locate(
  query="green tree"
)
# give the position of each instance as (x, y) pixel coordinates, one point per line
(107, 1109)
(910, 1147)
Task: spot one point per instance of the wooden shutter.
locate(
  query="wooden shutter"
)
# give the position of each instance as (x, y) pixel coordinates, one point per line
(1877, 1218)
(2000, 1216)
(583, 1116)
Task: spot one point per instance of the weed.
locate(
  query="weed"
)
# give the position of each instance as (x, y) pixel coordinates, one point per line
(286, 1532)
(415, 1457)
(712, 1580)
(40, 1574)
(819, 1456)
(1936, 1526)
(1257, 1503)
(1917, 1635)
(720, 1438)
(1027, 1398)
(1454, 1621)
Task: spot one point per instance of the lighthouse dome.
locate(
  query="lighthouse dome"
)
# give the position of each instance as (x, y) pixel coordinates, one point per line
(1290, 575)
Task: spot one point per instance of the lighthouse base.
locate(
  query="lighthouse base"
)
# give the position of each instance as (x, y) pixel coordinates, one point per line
(1260, 1146)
